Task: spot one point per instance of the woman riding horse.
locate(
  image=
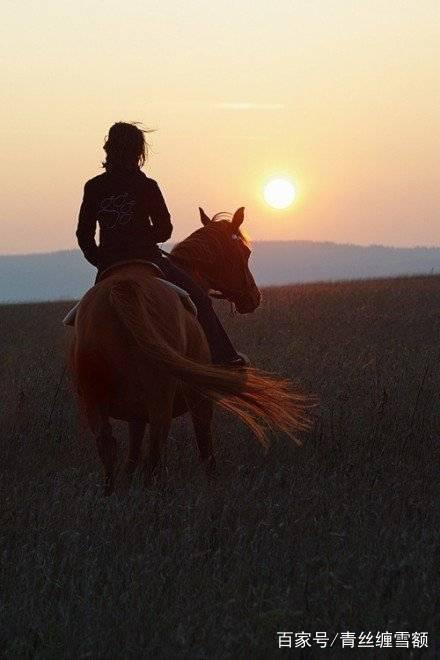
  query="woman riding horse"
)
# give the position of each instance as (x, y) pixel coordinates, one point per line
(138, 354)
(133, 218)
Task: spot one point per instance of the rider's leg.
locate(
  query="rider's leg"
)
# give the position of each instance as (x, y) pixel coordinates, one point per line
(222, 350)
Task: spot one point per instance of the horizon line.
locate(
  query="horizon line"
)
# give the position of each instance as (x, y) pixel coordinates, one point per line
(253, 242)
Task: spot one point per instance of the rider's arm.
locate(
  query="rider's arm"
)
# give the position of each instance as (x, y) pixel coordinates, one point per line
(159, 215)
(86, 229)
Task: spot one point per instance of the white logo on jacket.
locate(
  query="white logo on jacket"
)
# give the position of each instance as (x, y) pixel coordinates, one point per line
(115, 210)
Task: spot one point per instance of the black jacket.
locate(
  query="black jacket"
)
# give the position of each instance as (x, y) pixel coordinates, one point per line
(132, 217)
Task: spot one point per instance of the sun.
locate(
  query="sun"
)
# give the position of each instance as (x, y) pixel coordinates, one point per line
(279, 193)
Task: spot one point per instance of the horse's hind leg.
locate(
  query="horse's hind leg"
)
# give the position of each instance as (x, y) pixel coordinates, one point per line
(160, 413)
(136, 429)
(202, 411)
(159, 430)
(107, 450)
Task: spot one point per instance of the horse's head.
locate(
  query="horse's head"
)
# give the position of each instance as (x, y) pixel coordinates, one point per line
(229, 272)
(218, 256)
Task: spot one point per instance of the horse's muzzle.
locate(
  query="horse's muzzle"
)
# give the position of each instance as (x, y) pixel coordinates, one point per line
(249, 302)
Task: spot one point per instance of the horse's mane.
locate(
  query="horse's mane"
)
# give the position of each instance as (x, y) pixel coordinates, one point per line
(206, 244)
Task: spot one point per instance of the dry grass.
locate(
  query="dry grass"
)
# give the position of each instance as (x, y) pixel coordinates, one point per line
(340, 534)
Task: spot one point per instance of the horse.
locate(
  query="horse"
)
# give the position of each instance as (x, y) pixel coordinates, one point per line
(139, 355)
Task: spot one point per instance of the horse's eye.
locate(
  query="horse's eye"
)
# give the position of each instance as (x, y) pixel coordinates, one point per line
(241, 245)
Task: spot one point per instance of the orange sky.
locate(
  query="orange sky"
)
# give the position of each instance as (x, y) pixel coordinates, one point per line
(341, 96)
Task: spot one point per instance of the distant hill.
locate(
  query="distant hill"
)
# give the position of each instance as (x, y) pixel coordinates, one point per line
(66, 275)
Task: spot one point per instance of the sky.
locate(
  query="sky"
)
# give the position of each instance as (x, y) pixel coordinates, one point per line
(342, 97)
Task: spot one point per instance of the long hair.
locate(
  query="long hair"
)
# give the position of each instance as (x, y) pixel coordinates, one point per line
(125, 146)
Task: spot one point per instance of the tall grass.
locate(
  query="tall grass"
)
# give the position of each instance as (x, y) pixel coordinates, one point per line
(341, 534)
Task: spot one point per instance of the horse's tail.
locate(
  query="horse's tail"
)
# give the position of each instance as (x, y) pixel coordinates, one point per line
(257, 398)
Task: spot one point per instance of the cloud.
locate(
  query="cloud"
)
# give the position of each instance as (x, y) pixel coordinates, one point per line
(250, 106)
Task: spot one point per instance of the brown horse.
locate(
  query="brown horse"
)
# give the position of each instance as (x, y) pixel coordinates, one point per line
(140, 356)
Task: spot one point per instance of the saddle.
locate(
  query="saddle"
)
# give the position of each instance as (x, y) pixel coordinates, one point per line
(184, 296)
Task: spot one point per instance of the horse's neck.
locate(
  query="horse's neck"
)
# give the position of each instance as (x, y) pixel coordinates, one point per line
(196, 273)
(197, 255)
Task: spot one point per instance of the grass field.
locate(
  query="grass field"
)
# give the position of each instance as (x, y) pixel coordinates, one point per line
(339, 535)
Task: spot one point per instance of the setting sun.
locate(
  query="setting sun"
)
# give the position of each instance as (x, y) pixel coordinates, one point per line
(279, 193)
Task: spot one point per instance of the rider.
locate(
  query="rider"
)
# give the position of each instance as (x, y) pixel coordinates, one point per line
(133, 218)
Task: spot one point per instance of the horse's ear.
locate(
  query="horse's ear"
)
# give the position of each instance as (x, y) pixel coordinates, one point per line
(203, 217)
(238, 218)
